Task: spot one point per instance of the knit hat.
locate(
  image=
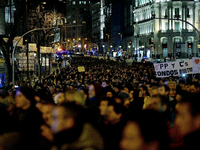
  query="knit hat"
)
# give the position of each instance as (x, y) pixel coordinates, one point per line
(29, 93)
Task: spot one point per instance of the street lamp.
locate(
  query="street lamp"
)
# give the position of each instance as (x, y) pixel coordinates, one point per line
(13, 52)
(129, 48)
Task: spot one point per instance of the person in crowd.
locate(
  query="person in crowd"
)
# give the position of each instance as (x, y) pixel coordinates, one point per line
(113, 127)
(75, 96)
(187, 120)
(154, 89)
(144, 131)
(94, 93)
(194, 87)
(126, 100)
(71, 132)
(164, 90)
(28, 118)
(144, 94)
(110, 93)
(59, 97)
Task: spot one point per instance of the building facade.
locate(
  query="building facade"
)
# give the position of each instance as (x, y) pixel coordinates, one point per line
(78, 13)
(166, 28)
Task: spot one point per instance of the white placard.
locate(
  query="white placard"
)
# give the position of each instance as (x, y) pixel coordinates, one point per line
(43, 49)
(49, 49)
(196, 64)
(32, 47)
(173, 68)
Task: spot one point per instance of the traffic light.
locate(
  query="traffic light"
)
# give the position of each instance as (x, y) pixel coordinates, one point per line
(190, 45)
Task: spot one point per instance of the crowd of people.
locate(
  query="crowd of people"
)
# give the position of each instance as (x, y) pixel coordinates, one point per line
(105, 105)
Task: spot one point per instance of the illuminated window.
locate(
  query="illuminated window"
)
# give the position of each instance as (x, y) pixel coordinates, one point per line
(74, 21)
(74, 2)
(84, 2)
(79, 2)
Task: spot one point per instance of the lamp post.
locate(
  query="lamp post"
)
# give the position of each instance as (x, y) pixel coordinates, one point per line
(13, 52)
(103, 49)
(129, 49)
(36, 29)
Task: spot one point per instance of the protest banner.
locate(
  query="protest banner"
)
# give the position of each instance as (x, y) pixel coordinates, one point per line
(81, 69)
(196, 65)
(173, 68)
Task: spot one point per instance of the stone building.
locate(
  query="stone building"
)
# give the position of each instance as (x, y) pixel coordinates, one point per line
(166, 28)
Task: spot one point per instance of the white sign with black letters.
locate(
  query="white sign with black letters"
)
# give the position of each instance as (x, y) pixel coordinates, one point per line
(173, 68)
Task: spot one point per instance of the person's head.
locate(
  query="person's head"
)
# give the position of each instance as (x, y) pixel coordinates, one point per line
(46, 110)
(194, 87)
(154, 89)
(143, 91)
(127, 88)
(118, 99)
(25, 98)
(84, 91)
(103, 106)
(42, 95)
(158, 103)
(188, 114)
(94, 90)
(110, 93)
(75, 96)
(126, 100)
(59, 98)
(114, 112)
(104, 84)
(3, 94)
(180, 93)
(145, 131)
(66, 117)
(163, 90)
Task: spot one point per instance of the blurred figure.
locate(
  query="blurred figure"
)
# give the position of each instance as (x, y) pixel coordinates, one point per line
(154, 89)
(111, 131)
(75, 96)
(187, 120)
(126, 100)
(194, 87)
(70, 131)
(145, 131)
(158, 103)
(28, 119)
(59, 97)
(94, 93)
(143, 93)
(164, 90)
(28, 115)
(103, 107)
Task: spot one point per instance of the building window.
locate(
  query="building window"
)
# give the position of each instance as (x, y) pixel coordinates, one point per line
(84, 2)
(188, 12)
(177, 26)
(166, 13)
(79, 2)
(74, 2)
(177, 12)
(74, 21)
(166, 25)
